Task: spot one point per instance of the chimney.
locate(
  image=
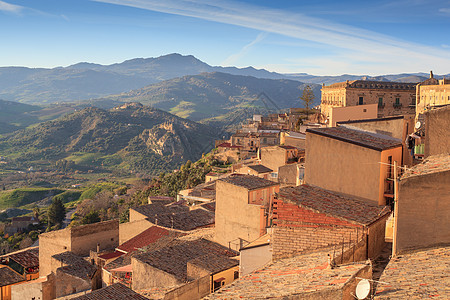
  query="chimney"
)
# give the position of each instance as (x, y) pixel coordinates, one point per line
(98, 248)
(431, 74)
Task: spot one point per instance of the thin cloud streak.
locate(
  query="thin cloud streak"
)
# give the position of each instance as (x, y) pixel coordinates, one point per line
(10, 8)
(232, 59)
(299, 26)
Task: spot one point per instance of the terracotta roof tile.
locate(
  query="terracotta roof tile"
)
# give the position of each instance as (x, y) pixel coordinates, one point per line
(116, 291)
(362, 138)
(248, 181)
(292, 276)
(75, 265)
(145, 238)
(260, 168)
(28, 258)
(111, 255)
(177, 217)
(174, 257)
(333, 204)
(432, 164)
(419, 275)
(213, 263)
(8, 276)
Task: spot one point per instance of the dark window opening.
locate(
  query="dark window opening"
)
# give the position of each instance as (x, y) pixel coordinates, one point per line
(361, 101)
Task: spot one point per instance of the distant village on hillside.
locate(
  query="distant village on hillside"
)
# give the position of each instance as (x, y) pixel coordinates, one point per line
(349, 203)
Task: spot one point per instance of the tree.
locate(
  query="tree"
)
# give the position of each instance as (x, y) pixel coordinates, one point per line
(91, 217)
(307, 97)
(56, 212)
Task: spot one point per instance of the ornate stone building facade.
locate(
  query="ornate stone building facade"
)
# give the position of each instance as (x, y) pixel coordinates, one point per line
(393, 98)
(432, 93)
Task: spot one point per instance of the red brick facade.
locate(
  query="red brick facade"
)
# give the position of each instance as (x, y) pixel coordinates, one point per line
(298, 229)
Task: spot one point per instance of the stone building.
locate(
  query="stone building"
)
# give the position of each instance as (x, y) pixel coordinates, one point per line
(256, 170)
(437, 132)
(392, 98)
(243, 209)
(423, 206)
(307, 218)
(116, 291)
(432, 93)
(275, 157)
(353, 162)
(79, 240)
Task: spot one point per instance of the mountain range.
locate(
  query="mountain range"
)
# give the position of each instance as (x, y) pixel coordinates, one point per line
(85, 81)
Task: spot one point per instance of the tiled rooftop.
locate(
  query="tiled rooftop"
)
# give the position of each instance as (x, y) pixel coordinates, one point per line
(333, 204)
(8, 276)
(248, 181)
(176, 217)
(75, 265)
(420, 275)
(431, 164)
(260, 168)
(213, 263)
(174, 257)
(28, 258)
(121, 261)
(292, 276)
(116, 291)
(362, 138)
(145, 238)
(111, 255)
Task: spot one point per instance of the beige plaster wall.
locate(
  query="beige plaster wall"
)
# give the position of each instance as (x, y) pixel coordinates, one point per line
(235, 218)
(253, 259)
(288, 174)
(146, 276)
(42, 289)
(66, 284)
(342, 167)
(376, 237)
(193, 290)
(273, 157)
(358, 112)
(423, 216)
(437, 132)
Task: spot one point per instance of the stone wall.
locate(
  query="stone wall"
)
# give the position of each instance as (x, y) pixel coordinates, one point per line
(273, 157)
(376, 239)
(145, 276)
(437, 133)
(193, 290)
(423, 212)
(52, 243)
(41, 289)
(66, 284)
(252, 259)
(288, 174)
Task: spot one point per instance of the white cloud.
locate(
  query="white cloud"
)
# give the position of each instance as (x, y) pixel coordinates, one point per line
(11, 8)
(232, 59)
(367, 44)
(444, 10)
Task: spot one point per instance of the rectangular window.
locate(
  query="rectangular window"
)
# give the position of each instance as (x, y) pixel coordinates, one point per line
(361, 101)
(380, 101)
(397, 101)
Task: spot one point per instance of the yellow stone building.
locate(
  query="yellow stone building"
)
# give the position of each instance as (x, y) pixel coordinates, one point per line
(432, 93)
(393, 98)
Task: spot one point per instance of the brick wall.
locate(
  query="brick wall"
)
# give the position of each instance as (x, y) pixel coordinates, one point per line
(298, 229)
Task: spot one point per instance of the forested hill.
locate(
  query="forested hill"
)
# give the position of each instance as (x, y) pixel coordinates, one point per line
(131, 137)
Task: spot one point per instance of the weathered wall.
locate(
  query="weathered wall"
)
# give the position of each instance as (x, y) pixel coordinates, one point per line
(295, 142)
(66, 284)
(129, 230)
(85, 238)
(423, 216)
(42, 289)
(52, 243)
(135, 216)
(193, 290)
(437, 134)
(253, 259)
(358, 112)
(146, 276)
(376, 237)
(273, 157)
(235, 218)
(287, 175)
(342, 167)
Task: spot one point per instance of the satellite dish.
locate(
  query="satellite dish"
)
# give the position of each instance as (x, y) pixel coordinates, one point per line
(363, 289)
(418, 124)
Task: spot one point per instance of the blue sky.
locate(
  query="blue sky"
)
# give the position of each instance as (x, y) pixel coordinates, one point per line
(316, 37)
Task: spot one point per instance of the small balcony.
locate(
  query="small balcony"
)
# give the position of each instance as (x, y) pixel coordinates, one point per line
(397, 105)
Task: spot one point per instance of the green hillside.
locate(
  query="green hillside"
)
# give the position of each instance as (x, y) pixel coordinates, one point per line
(130, 138)
(24, 196)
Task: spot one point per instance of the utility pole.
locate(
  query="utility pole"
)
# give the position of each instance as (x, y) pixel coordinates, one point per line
(395, 214)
